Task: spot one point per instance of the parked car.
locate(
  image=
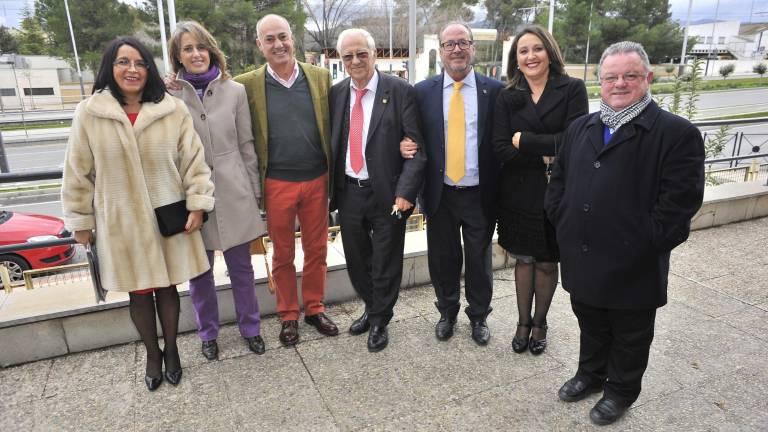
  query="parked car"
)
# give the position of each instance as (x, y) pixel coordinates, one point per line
(17, 227)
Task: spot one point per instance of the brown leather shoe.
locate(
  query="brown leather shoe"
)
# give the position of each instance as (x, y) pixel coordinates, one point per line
(289, 334)
(322, 323)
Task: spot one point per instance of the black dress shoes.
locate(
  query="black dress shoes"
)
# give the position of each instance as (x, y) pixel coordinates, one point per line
(577, 388)
(520, 344)
(172, 376)
(378, 338)
(444, 328)
(153, 383)
(481, 334)
(537, 346)
(606, 411)
(256, 344)
(210, 349)
(360, 325)
(289, 334)
(322, 323)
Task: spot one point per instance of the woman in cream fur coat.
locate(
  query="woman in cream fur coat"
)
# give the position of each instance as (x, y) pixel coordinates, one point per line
(132, 148)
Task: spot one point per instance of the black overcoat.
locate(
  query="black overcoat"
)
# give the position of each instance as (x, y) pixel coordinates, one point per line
(619, 209)
(523, 228)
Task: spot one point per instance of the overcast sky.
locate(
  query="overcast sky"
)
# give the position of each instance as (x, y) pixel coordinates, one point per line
(10, 10)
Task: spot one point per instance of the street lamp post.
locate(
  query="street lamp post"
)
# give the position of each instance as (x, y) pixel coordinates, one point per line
(74, 48)
(163, 40)
(589, 35)
(412, 41)
(681, 68)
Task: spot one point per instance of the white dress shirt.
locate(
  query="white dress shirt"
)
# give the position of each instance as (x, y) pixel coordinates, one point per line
(469, 94)
(292, 79)
(367, 102)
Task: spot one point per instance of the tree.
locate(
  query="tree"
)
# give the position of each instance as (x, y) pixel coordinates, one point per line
(8, 42)
(726, 70)
(31, 38)
(760, 69)
(95, 23)
(645, 21)
(232, 23)
(328, 17)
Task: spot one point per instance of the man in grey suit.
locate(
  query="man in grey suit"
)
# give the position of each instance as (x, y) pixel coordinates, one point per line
(373, 187)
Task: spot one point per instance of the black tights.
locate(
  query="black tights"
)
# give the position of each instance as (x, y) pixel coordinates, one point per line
(534, 280)
(142, 308)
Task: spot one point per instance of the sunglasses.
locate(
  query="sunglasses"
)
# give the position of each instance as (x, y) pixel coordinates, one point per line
(362, 56)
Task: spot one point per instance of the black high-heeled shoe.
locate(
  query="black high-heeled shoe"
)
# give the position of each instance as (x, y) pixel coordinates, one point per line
(173, 377)
(154, 383)
(519, 344)
(537, 346)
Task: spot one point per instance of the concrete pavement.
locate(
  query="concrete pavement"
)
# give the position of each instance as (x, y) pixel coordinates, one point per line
(708, 368)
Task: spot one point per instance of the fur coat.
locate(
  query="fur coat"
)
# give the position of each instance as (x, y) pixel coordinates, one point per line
(116, 174)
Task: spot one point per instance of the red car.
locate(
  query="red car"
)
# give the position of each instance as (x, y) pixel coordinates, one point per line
(18, 228)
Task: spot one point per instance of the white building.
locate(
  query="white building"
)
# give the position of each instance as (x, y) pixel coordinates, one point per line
(729, 40)
(35, 82)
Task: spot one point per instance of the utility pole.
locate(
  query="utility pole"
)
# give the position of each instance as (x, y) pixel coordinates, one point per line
(681, 68)
(74, 49)
(163, 40)
(411, 41)
(589, 35)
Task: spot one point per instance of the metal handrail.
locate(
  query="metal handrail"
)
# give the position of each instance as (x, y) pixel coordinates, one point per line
(735, 158)
(730, 121)
(30, 176)
(37, 245)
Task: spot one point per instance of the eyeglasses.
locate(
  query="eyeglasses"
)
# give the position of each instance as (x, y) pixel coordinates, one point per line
(463, 44)
(362, 56)
(124, 63)
(628, 77)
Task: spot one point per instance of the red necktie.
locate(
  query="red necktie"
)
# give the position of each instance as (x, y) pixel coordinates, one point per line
(356, 132)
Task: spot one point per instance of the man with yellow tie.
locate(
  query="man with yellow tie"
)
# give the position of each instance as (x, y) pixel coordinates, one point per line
(459, 196)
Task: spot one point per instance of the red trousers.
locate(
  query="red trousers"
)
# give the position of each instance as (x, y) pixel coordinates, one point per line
(309, 201)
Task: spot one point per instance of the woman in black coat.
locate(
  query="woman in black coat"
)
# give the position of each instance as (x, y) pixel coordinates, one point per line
(531, 115)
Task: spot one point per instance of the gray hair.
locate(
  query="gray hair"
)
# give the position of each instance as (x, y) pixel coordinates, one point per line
(351, 31)
(280, 17)
(626, 47)
(466, 27)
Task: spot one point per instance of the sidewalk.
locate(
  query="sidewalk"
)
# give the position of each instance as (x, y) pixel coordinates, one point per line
(708, 368)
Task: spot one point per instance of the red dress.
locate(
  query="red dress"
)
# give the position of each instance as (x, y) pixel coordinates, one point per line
(132, 118)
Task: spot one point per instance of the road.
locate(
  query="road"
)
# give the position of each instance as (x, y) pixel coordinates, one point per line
(46, 156)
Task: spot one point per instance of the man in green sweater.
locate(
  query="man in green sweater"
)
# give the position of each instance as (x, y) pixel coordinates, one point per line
(289, 116)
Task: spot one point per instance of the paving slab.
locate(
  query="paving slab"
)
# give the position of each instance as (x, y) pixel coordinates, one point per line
(708, 366)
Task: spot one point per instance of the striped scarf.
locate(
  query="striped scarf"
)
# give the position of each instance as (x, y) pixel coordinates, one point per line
(614, 119)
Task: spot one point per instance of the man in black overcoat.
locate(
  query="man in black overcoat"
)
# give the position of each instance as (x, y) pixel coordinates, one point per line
(622, 194)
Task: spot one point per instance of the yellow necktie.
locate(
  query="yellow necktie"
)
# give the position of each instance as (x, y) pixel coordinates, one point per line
(456, 134)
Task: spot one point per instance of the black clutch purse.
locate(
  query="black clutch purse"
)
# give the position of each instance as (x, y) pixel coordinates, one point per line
(171, 218)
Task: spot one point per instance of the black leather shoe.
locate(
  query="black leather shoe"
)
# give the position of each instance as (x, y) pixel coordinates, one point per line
(256, 344)
(481, 334)
(173, 377)
(520, 344)
(210, 349)
(289, 333)
(360, 325)
(322, 323)
(378, 338)
(577, 388)
(444, 328)
(153, 383)
(537, 346)
(606, 411)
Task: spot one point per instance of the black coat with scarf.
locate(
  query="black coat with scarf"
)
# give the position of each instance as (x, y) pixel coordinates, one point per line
(523, 227)
(620, 208)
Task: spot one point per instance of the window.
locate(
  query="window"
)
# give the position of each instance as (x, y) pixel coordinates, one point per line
(709, 39)
(721, 40)
(38, 91)
(8, 92)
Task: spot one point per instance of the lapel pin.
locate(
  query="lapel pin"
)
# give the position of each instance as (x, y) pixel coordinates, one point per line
(485, 91)
(385, 100)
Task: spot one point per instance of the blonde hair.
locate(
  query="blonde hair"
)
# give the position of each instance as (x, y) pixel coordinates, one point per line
(204, 37)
